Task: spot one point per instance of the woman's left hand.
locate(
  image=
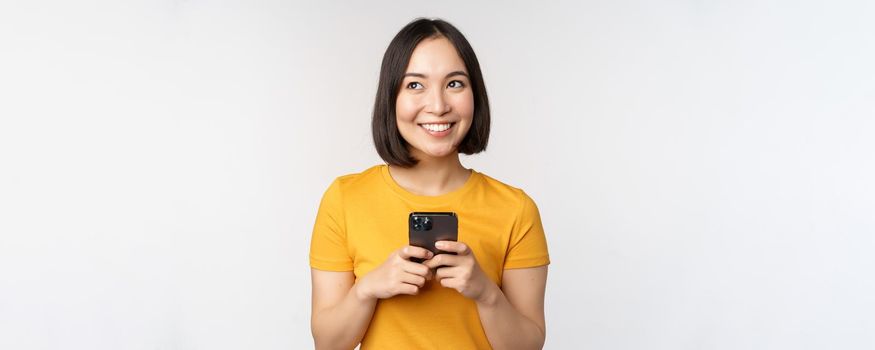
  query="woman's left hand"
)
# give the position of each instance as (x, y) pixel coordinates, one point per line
(461, 271)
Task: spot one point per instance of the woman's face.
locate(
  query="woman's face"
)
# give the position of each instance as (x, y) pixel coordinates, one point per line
(435, 105)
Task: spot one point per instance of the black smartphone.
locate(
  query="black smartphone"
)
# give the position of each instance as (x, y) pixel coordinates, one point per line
(426, 228)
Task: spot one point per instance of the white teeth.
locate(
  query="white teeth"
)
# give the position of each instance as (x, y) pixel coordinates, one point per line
(436, 127)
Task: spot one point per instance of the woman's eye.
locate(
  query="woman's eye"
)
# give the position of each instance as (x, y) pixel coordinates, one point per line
(412, 85)
(458, 83)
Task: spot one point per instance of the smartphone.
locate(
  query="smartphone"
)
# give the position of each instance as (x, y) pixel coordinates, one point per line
(426, 228)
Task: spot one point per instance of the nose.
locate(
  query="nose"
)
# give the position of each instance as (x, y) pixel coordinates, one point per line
(437, 103)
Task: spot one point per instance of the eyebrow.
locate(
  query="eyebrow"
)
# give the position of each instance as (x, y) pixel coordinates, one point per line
(451, 74)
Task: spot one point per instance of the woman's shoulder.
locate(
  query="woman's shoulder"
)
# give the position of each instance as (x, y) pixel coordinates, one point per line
(503, 191)
(362, 179)
(364, 174)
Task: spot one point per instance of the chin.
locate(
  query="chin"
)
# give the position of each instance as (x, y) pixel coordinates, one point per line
(440, 153)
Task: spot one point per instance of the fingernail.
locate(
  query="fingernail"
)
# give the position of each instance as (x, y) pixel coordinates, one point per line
(439, 244)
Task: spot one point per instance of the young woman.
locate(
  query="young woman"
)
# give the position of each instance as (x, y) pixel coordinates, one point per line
(431, 105)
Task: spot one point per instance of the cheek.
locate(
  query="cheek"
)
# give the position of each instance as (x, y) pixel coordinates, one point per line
(405, 109)
(465, 107)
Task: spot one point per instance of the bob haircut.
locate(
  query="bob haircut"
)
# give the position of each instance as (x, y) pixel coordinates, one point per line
(390, 144)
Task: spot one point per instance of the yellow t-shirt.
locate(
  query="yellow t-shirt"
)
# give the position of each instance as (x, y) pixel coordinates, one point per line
(363, 218)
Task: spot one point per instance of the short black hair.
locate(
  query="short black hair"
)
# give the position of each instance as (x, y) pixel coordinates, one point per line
(390, 144)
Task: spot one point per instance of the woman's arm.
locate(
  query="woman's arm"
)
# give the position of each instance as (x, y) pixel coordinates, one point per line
(339, 317)
(513, 315)
(343, 308)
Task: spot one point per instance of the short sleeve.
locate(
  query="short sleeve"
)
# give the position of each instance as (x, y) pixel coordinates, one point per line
(328, 248)
(528, 245)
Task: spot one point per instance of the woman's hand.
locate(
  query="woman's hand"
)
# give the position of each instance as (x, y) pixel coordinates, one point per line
(461, 271)
(396, 275)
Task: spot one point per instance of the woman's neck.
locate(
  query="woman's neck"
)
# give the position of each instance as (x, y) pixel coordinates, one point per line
(431, 176)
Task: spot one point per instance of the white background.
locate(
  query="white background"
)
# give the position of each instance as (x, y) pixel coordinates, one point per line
(704, 169)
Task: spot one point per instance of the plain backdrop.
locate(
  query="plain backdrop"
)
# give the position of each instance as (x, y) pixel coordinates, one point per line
(704, 169)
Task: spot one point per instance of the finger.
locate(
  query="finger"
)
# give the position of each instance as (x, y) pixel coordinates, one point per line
(450, 282)
(414, 252)
(454, 247)
(416, 280)
(430, 263)
(443, 260)
(433, 262)
(446, 272)
(415, 268)
(405, 288)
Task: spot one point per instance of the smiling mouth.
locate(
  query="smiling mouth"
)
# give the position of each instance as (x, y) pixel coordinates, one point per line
(437, 127)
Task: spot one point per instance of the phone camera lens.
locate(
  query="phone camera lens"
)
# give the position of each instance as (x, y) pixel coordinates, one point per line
(417, 227)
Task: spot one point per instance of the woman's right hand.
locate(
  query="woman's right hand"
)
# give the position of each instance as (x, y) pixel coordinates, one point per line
(397, 275)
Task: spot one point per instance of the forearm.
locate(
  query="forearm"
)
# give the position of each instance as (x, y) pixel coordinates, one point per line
(505, 327)
(343, 325)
